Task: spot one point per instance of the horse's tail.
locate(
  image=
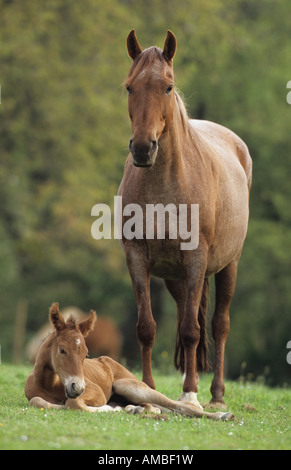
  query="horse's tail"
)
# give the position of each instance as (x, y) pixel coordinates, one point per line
(202, 349)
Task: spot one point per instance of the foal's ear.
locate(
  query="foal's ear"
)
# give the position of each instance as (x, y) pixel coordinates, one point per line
(56, 318)
(87, 325)
(170, 46)
(133, 47)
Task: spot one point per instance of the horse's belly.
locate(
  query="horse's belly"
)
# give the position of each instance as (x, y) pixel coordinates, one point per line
(230, 234)
(165, 259)
(168, 270)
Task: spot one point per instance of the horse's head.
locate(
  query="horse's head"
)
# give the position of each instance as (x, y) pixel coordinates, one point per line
(150, 86)
(69, 350)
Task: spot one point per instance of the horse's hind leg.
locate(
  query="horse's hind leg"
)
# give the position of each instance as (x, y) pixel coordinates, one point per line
(225, 282)
(177, 291)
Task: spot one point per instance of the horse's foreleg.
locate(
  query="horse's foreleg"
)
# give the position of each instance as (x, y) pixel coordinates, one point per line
(39, 402)
(190, 329)
(225, 282)
(178, 292)
(146, 326)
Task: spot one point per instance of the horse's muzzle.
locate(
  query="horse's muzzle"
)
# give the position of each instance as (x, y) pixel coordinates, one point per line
(74, 387)
(143, 154)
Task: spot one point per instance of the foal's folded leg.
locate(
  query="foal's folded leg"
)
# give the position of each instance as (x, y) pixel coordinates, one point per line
(79, 404)
(92, 400)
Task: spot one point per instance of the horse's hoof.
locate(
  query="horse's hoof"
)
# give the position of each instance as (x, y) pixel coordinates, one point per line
(151, 409)
(227, 416)
(190, 397)
(223, 416)
(134, 409)
(217, 404)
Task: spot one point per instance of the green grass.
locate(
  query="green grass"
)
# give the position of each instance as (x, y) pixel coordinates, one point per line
(262, 421)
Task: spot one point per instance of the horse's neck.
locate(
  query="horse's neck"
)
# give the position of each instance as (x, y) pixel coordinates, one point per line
(170, 158)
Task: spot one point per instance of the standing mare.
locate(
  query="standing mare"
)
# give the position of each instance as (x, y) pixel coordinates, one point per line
(174, 160)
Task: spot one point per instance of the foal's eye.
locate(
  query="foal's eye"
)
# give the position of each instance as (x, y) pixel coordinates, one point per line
(129, 89)
(61, 350)
(169, 89)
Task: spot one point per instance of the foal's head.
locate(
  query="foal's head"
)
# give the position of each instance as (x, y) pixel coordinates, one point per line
(69, 350)
(150, 85)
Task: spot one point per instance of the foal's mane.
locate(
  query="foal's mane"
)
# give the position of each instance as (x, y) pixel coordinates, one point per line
(146, 59)
(71, 323)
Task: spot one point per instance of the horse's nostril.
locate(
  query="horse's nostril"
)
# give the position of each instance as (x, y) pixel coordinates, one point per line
(74, 389)
(154, 146)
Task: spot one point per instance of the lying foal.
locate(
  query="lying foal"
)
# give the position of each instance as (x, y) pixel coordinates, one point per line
(63, 378)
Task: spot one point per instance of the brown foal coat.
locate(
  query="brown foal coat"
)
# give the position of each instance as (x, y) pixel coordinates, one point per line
(63, 378)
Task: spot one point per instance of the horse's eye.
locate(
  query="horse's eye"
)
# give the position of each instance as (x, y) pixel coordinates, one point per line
(129, 89)
(169, 89)
(61, 350)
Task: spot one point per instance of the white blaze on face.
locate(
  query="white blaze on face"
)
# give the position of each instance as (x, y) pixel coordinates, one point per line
(74, 385)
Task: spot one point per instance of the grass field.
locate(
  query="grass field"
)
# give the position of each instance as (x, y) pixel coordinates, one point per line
(262, 421)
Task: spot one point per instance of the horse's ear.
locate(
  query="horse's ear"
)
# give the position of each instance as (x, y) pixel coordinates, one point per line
(56, 318)
(87, 325)
(170, 46)
(133, 47)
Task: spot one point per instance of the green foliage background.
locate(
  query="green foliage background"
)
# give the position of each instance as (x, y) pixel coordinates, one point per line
(64, 132)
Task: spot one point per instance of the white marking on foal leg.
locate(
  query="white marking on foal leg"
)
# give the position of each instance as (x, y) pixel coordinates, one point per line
(191, 397)
(140, 409)
(134, 409)
(106, 408)
(102, 409)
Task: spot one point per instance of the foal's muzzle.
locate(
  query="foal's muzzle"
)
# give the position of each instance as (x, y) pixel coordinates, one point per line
(74, 387)
(143, 153)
